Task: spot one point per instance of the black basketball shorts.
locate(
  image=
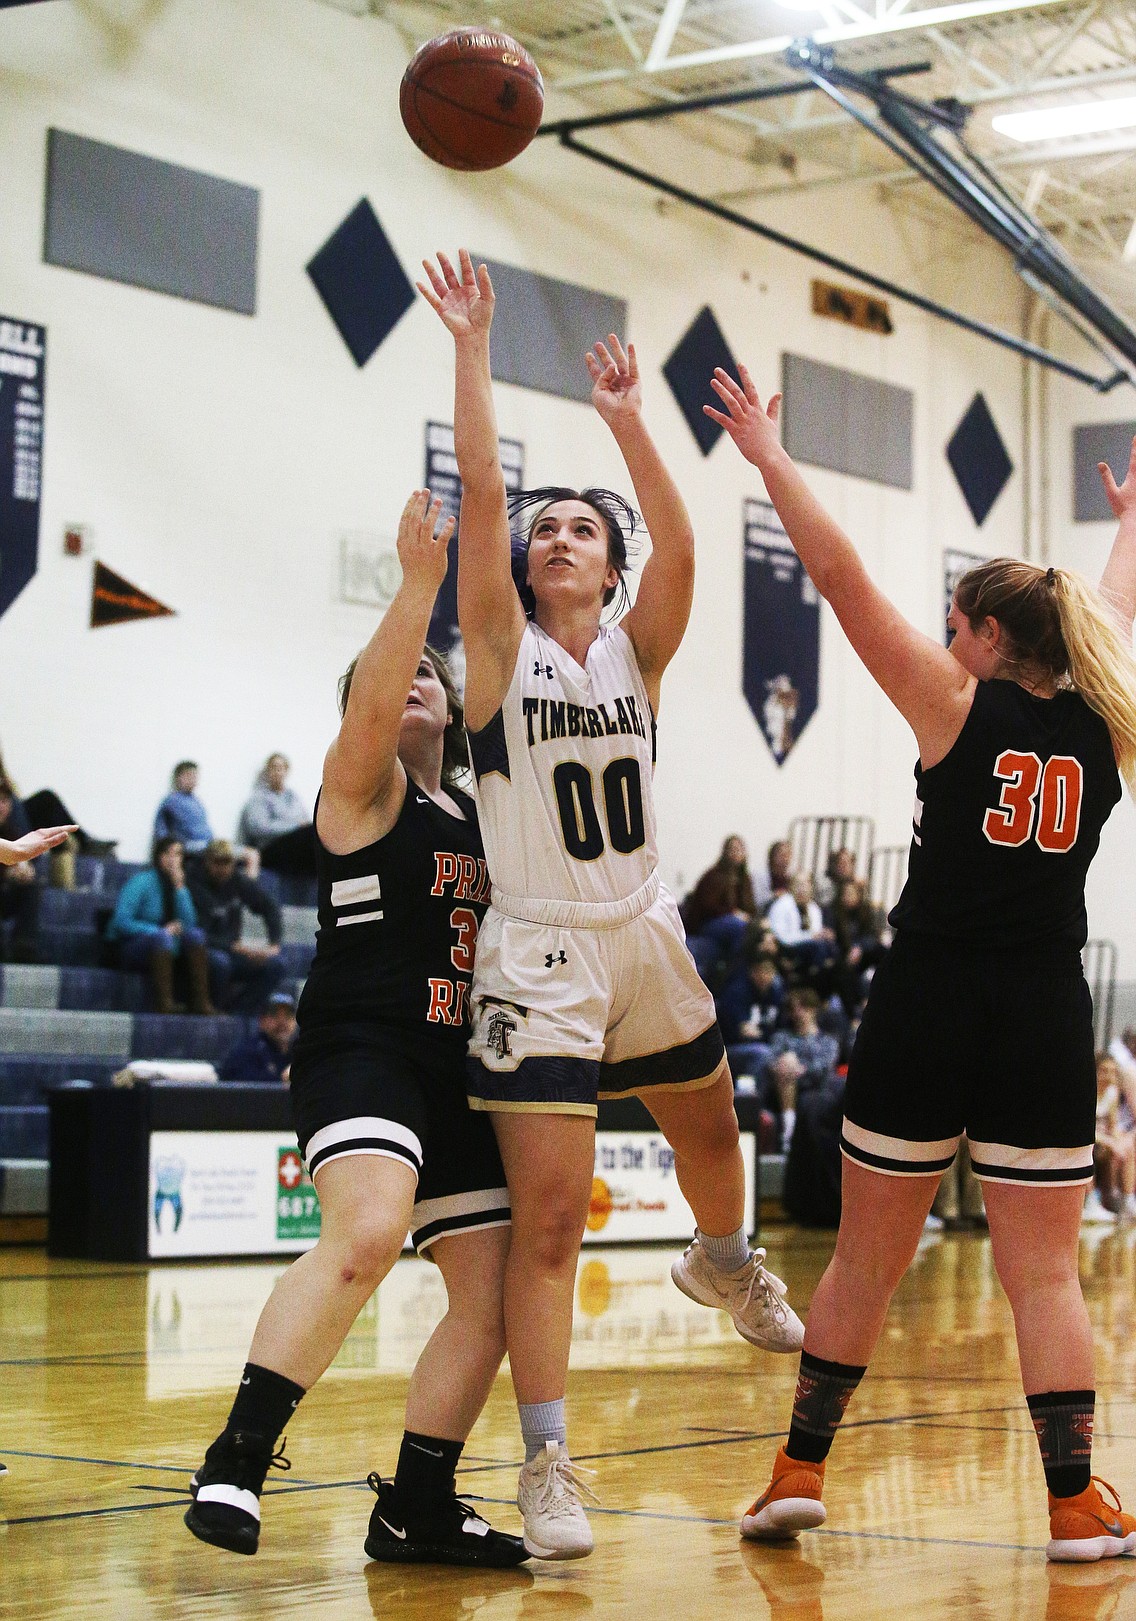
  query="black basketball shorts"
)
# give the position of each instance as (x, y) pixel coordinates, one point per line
(370, 1089)
(996, 1046)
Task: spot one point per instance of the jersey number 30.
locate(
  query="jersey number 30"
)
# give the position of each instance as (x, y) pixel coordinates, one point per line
(579, 818)
(1042, 801)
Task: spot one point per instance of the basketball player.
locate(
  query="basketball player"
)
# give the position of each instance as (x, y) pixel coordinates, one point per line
(27, 848)
(583, 985)
(378, 1090)
(979, 1021)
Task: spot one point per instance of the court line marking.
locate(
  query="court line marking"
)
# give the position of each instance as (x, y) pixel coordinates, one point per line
(71, 1277)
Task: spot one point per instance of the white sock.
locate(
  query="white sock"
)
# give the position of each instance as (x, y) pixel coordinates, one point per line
(728, 1254)
(788, 1121)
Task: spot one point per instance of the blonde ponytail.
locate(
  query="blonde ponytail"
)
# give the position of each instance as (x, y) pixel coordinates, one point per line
(1101, 665)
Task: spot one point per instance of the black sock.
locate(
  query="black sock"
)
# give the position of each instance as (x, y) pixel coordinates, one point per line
(1063, 1420)
(426, 1467)
(824, 1390)
(265, 1402)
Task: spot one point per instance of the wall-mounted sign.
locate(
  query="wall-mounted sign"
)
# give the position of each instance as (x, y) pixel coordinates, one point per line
(781, 633)
(22, 357)
(852, 307)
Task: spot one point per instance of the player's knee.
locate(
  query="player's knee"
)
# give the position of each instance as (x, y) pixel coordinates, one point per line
(551, 1238)
(368, 1254)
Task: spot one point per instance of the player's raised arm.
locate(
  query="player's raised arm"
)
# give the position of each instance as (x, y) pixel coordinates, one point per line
(489, 610)
(362, 770)
(1118, 582)
(31, 845)
(657, 622)
(930, 689)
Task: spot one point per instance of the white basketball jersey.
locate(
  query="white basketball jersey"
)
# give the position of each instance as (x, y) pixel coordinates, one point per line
(563, 774)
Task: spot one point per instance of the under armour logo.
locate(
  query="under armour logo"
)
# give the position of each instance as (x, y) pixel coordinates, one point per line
(543, 669)
(552, 957)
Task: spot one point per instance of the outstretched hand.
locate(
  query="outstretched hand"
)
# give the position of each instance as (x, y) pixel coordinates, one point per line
(1121, 497)
(465, 302)
(421, 544)
(13, 851)
(616, 391)
(752, 427)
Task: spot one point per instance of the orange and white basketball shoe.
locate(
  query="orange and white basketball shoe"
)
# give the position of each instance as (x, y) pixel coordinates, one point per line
(1085, 1527)
(790, 1503)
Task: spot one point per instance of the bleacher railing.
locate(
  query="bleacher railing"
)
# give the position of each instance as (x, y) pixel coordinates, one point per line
(813, 839)
(887, 874)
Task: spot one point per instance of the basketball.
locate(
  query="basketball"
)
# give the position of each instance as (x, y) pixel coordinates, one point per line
(471, 99)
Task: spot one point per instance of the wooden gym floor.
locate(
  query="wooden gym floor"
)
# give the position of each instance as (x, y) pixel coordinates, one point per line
(115, 1378)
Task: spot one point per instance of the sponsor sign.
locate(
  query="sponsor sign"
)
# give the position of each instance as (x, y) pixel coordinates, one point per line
(229, 1193)
(635, 1193)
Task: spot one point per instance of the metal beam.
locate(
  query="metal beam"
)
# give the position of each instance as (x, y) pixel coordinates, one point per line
(994, 334)
(665, 33)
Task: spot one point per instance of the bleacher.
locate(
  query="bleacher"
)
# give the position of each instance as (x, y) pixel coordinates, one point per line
(73, 1019)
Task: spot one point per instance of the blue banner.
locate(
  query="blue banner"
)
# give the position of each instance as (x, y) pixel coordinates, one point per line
(955, 565)
(442, 479)
(22, 353)
(781, 633)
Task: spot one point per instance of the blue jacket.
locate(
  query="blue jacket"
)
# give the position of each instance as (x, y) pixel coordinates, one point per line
(256, 1059)
(138, 909)
(182, 816)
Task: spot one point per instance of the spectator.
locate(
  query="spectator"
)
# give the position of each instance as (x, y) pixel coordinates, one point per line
(265, 1056)
(861, 939)
(155, 928)
(1115, 1153)
(840, 868)
(720, 908)
(775, 880)
(272, 809)
(19, 894)
(795, 919)
(749, 1010)
(243, 975)
(801, 1058)
(181, 815)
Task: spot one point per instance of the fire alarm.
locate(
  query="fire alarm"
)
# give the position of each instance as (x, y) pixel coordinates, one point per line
(75, 540)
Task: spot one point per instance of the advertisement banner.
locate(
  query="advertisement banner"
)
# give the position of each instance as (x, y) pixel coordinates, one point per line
(22, 358)
(635, 1193)
(442, 479)
(781, 633)
(229, 1193)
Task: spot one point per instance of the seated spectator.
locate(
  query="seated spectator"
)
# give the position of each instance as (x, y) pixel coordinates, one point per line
(265, 1057)
(749, 1009)
(243, 975)
(840, 868)
(181, 815)
(19, 886)
(1115, 1153)
(801, 1058)
(272, 809)
(775, 879)
(862, 939)
(795, 918)
(721, 904)
(154, 928)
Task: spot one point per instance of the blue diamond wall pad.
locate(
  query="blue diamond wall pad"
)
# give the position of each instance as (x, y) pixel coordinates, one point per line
(362, 283)
(979, 459)
(689, 370)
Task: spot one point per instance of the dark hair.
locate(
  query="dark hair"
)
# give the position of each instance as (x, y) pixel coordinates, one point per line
(182, 765)
(160, 846)
(455, 750)
(618, 517)
(803, 997)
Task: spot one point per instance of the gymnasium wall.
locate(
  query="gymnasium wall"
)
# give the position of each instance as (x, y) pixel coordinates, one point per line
(217, 459)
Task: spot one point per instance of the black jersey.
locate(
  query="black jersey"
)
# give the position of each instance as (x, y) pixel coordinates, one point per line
(1007, 823)
(398, 924)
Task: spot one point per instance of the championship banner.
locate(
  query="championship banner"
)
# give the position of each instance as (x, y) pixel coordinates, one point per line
(955, 565)
(22, 356)
(442, 479)
(781, 633)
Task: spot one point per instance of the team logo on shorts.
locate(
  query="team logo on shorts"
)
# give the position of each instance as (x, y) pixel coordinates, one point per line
(500, 1027)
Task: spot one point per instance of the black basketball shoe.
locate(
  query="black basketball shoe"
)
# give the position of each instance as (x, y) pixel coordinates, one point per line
(226, 1490)
(449, 1533)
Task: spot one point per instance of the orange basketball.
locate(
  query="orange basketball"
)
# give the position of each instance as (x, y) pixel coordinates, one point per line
(472, 99)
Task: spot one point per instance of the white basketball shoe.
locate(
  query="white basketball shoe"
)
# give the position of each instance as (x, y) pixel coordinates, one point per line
(549, 1498)
(754, 1298)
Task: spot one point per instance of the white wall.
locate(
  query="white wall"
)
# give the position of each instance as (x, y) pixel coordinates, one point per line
(217, 457)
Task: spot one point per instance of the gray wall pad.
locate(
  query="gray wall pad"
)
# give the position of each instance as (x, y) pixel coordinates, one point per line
(543, 328)
(846, 422)
(152, 224)
(29, 987)
(32, 1033)
(1095, 442)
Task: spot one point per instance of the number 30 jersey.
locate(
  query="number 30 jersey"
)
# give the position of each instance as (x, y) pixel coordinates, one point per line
(563, 774)
(1007, 823)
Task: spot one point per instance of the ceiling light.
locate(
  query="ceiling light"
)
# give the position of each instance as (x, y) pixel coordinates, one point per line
(1085, 118)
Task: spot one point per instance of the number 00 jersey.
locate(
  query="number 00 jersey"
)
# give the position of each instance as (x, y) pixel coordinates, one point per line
(398, 924)
(1007, 823)
(563, 774)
